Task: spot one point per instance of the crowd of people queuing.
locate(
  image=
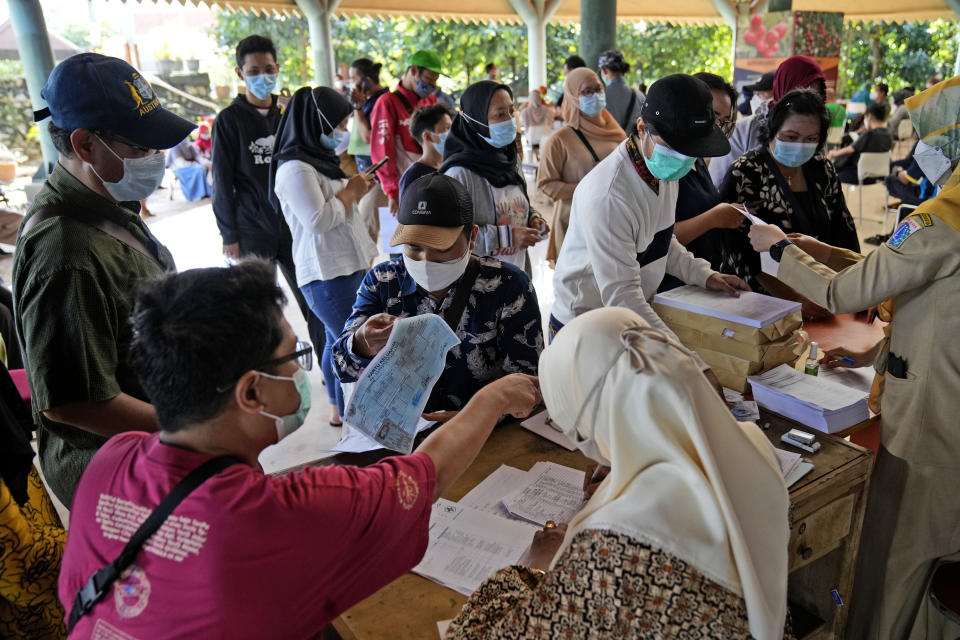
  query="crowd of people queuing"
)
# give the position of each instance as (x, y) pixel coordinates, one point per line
(146, 384)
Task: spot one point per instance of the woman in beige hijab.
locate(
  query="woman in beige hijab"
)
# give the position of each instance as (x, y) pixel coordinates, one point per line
(572, 151)
(686, 536)
(536, 118)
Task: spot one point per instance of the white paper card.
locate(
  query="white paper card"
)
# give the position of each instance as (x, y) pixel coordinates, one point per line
(541, 425)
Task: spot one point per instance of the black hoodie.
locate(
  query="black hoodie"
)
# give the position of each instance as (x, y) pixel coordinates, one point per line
(242, 151)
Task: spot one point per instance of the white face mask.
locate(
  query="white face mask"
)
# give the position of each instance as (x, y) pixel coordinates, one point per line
(141, 176)
(874, 95)
(933, 162)
(434, 276)
(755, 103)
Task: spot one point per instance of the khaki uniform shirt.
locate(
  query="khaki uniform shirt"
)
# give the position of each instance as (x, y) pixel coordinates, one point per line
(919, 267)
(73, 293)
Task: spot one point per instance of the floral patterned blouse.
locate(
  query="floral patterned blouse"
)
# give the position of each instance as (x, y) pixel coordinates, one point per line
(605, 585)
(31, 548)
(821, 211)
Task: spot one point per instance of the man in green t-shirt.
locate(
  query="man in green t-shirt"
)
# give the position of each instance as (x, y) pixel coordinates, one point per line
(81, 251)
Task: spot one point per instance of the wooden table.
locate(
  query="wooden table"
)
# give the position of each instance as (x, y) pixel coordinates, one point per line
(827, 507)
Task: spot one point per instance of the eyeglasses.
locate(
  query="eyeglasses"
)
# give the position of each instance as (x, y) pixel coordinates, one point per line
(303, 355)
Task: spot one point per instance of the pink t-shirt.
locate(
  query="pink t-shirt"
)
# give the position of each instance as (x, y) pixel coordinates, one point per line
(246, 555)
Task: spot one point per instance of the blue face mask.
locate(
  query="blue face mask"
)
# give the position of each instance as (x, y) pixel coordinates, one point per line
(424, 89)
(439, 144)
(290, 423)
(592, 105)
(666, 164)
(332, 141)
(794, 154)
(262, 85)
(502, 133)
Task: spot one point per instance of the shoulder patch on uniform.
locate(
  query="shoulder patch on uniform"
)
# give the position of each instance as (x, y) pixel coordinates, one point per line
(905, 229)
(926, 219)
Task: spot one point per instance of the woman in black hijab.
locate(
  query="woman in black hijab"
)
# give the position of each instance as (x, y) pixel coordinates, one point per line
(331, 247)
(481, 152)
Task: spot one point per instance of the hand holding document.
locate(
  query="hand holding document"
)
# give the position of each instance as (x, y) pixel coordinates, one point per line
(392, 392)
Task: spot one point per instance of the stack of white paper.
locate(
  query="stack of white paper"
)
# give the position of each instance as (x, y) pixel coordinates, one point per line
(860, 379)
(810, 400)
(467, 546)
(752, 309)
(550, 492)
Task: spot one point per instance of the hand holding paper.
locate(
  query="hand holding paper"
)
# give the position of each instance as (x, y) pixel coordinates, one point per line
(763, 236)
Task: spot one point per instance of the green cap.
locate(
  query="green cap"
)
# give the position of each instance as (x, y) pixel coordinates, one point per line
(426, 59)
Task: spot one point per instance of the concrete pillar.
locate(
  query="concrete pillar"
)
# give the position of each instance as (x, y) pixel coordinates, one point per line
(598, 29)
(30, 30)
(536, 14)
(318, 14)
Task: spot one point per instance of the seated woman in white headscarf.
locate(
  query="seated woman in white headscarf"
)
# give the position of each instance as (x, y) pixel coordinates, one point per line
(686, 536)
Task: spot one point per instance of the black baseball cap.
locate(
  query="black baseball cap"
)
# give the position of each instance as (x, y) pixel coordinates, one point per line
(433, 211)
(679, 109)
(93, 91)
(765, 83)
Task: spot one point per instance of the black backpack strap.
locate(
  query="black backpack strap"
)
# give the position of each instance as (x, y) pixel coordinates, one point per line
(586, 143)
(95, 588)
(454, 312)
(98, 222)
(404, 100)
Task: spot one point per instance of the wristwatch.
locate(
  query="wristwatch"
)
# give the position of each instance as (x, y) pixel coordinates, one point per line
(776, 251)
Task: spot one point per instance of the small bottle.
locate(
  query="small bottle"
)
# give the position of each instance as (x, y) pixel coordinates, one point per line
(812, 366)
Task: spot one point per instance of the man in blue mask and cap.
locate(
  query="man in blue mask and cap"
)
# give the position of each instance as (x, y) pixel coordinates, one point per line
(620, 242)
(80, 251)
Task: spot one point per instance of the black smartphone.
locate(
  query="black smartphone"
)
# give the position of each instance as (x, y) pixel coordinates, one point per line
(374, 168)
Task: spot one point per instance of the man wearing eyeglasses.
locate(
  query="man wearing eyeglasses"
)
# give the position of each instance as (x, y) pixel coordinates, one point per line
(80, 252)
(246, 555)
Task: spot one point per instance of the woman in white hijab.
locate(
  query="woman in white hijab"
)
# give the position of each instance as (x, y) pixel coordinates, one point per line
(687, 535)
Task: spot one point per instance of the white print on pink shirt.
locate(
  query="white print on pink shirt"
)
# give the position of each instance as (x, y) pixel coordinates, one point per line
(131, 592)
(103, 630)
(177, 538)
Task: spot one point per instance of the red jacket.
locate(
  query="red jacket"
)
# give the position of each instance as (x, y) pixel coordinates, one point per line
(391, 118)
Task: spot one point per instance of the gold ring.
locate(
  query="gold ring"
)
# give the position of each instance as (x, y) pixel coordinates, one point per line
(550, 525)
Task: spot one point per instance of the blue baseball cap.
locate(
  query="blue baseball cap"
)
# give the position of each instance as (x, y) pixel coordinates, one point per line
(93, 91)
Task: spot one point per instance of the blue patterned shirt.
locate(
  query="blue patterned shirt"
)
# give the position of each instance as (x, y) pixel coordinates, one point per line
(500, 330)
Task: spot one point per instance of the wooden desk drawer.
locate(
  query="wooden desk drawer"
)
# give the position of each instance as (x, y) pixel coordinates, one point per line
(820, 532)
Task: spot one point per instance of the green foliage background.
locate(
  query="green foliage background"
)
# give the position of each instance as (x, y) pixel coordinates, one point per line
(900, 54)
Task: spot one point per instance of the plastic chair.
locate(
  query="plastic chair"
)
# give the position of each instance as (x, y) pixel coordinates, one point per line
(834, 136)
(873, 166)
(855, 109)
(905, 129)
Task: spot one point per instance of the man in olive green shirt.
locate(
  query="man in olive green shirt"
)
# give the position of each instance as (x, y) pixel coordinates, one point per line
(80, 253)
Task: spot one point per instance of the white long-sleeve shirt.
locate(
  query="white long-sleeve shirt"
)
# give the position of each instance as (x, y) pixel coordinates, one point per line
(620, 243)
(329, 240)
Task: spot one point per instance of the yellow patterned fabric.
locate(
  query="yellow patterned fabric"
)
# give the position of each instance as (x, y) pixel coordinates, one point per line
(31, 547)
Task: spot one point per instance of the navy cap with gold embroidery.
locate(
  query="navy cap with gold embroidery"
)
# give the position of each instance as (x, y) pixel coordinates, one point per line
(93, 91)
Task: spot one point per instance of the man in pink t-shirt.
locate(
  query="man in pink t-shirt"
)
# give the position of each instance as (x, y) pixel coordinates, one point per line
(247, 555)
